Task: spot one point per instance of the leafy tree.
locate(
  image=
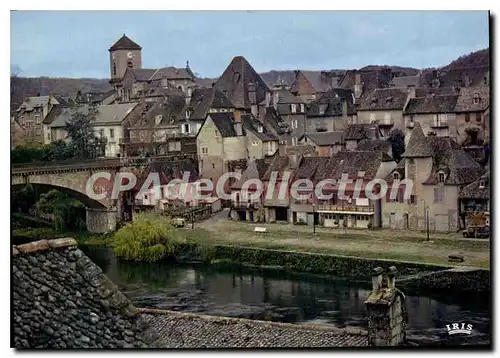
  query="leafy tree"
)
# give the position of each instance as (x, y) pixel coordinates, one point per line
(147, 238)
(85, 144)
(22, 198)
(66, 212)
(397, 139)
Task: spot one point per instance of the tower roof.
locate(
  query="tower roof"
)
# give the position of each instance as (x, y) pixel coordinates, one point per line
(418, 145)
(124, 43)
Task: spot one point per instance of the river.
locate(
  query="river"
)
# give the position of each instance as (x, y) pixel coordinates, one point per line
(277, 296)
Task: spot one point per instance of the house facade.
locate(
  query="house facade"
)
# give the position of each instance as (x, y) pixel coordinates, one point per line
(472, 125)
(31, 115)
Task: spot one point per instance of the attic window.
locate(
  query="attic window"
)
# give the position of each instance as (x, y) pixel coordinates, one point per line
(441, 177)
(237, 77)
(477, 99)
(260, 129)
(482, 184)
(396, 176)
(302, 107)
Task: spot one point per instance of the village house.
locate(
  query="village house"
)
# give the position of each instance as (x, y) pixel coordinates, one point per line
(472, 76)
(438, 168)
(384, 108)
(260, 142)
(310, 85)
(348, 211)
(110, 122)
(355, 133)
(362, 82)
(475, 201)
(435, 114)
(17, 135)
(333, 111)
(471, 125)
(325, 143)
(31, 114)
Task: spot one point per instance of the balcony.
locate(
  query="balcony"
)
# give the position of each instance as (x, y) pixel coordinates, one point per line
(246, 206)
(345, 208)
(439, 125)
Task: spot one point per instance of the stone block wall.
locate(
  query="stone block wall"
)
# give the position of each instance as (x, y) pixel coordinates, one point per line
(101, 220)
(61, 299)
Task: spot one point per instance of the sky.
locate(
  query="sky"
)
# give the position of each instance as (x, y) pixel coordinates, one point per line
(75, 43)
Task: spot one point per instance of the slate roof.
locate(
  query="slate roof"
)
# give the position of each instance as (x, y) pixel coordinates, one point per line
(59, 115)
(278, 164)
(360, 131)
(143, 74)
(235, 80)
(350, 163)
(305, 150)
(112, 113)
(325, 138)
(308, 166)
(184, 330)
(125, 43)
(465, 102)
(286, 97)
(381, 145)
(456, 77)
(251, 124)
(418, 145)
(225, 123)
(202, 99)
(384, 99)
(173, 73)
(370, 79)
(432, 104)
(332, 105)
(30, 103)
(459, 167)
(255, 170)
(320, 80)
(400, 168)
(406, 81)
(171, 111)
(440, 91)
(473, 190)
(275, 123)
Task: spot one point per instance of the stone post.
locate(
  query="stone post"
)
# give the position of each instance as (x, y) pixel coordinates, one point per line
(386, 310)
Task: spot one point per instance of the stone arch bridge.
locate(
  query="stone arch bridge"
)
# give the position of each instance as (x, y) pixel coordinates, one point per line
(72, 176)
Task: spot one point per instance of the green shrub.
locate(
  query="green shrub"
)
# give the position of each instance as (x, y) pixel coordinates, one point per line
(21, 236)
(148, 238)
(23, 221)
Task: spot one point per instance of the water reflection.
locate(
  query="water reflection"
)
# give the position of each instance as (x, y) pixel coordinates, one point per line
(278, 297)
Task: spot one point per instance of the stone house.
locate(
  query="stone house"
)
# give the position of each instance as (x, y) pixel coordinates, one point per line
(333, 111)
(16, 132)
(438, 168)
(460, 77)
(475, 199)
(310, 85)
(324, 143)
(355, 133)
(352, 210)
(31, 115)
(260, 141)
(471, 125)
(384, 108)
(435, 114)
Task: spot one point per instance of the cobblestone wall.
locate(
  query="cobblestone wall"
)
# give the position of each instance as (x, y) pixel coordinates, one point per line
(61, 299)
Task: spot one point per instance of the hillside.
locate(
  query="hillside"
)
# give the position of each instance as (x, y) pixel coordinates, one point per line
(22, 86)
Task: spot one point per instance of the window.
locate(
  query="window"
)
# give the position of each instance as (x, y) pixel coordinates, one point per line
(440, 120)
(114, 68)
(48, 136)
(294, 140)
(322, 108)
(293, 108)
(188, 114)
(38, 131)
(185, 128)
(413, 199)
(482, 184)
(37, 118)
(485, 80)
(302, 107)
(467, 117)
(255, 143)
(112, 133)
(174, 146)
(204, 150)
(213, 165)
(412, 119)
(130, 64)
(477, 99)
(283, 142)
(305, 139)
(158, 119)
(478, 117)
(216, 133)
(441, 177)
(101, 133)
(396, 176)
(294, 124)
(146, 196)
(260, 129)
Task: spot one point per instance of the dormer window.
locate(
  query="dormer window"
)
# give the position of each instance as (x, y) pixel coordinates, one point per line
(158, 119)
(396, 176)
(188, 114)
(441, 177)
(302, 107)
(482, 184)
(477, 99)
(260, 129)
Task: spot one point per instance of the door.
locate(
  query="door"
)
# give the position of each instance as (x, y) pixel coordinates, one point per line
(393, 221)
(407, 222)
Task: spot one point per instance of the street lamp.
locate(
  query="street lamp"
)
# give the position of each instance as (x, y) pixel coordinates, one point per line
(426, 215)
(314, 221)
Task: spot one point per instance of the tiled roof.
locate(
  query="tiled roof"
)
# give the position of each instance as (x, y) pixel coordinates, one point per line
(360, 131)
(124, 43)
(251, 124)
(440, 91)
(142, 74)
(202, 99)
(384, 99)
(400, 168)
(255, 170)
(60, 115)
(320, 80)
(418, 145)
(474, 191)
(31, 103)
(449, 157)
(456, 77)
(278, 164)
(432, 104)
(184, 330)
(406, 81)
(380, 145)
(371, 79)
(171, 112)
(285, 96)
(234, 83)
(224, 123)
(305, 150)
(308, 166)
(112, 113)
(326, 138)
(276, 124)
(331, 102)
(173, 73)
(465, 102)
(350, 163)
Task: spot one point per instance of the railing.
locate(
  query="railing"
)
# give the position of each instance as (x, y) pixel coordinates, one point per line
(345, 207)
(439, 125)
(243, 205)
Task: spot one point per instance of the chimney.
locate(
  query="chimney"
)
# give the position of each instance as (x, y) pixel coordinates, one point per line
(466, 80)
(358, 86)
(377, 274)
(344, 108)
(189, 94)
